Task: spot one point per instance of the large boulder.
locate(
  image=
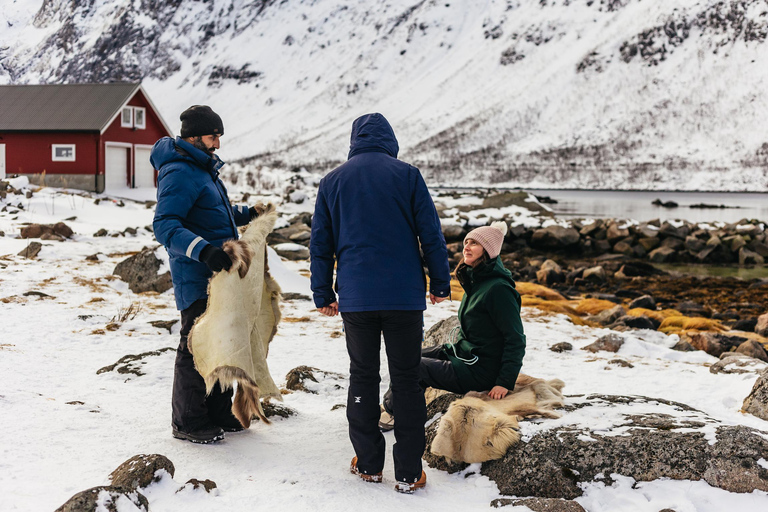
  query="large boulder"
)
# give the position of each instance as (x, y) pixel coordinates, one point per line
(555, 237)
(638, 437)
(607, 343)
(105, 497)
(140, 471)
(737, 363)
(142, 272)
(754, 349)
(440, 333)
(662, 255)
(761, 327)
(756, 402)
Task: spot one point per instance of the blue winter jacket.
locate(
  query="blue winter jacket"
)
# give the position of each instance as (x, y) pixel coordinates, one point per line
(371, 215)
(192, 211)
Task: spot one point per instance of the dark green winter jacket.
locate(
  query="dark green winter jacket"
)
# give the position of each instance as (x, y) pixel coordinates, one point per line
(489, 347)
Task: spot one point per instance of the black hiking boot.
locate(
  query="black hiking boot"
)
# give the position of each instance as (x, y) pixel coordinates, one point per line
(202, 435)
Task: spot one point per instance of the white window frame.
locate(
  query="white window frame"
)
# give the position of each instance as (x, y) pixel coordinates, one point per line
(136, 124)
(123, 122)
(56, 158)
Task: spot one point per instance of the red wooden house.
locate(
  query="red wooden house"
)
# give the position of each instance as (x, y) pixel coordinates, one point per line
(87, 136)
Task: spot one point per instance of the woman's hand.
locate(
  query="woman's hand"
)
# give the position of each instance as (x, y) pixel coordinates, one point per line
(330, 310)
(498, 392)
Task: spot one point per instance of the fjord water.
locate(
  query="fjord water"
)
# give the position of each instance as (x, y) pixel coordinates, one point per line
(637, 205)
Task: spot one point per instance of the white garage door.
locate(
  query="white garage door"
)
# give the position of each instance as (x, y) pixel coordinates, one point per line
(145, 174)
(2, 161)
(116, 171)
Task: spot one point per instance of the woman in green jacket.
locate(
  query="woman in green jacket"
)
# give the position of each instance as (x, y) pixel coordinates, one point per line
(485, 352)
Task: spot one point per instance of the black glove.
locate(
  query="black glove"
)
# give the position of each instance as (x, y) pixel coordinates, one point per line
(256, 210)
(216, 259)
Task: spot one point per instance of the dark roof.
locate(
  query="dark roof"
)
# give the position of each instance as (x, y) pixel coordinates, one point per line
(62, 107)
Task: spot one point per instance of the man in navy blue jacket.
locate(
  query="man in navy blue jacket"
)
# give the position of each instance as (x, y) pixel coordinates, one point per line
(373, 217)
(193, 218)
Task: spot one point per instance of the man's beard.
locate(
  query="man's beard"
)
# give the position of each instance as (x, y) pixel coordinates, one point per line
(199, 144)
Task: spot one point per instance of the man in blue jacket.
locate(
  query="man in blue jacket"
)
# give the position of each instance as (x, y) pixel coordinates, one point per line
(193, 218)
(372, 216)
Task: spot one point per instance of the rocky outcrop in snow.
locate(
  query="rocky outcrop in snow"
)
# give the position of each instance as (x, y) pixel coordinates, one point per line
(639, 437)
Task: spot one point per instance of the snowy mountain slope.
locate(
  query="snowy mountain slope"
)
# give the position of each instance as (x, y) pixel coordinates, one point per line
(567, 93)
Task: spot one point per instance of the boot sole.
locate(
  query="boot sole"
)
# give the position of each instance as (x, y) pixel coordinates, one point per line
(186, 437)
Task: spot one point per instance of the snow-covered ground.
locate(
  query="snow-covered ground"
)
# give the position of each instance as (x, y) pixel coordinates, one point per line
(65, 427)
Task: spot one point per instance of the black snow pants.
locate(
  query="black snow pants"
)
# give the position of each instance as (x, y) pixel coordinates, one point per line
(193, 410)
(402, 340)
(435, 371)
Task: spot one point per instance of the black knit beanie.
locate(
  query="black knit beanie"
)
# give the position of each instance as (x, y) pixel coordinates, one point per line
(200, 120)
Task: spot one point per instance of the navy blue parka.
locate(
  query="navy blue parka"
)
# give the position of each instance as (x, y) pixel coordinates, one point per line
(192, 212)
(371, 216)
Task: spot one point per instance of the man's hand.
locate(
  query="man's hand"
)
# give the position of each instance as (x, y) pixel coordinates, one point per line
(498, 392)
(216, 259)
(436, 300)
(330, 310)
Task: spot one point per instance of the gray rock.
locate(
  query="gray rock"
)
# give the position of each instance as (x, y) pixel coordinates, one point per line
(690, 308)
(614, 233)
(548, 277)
(694, 245)
(761, 327)
(672, 442)
(714, 343)
(551, 265)
(609, 316)
(595, 274)
(140, 271)
(140, 471)
(99, 498)
(684, 346)
(454, 233)
(662, 255)
(132, 364)
(440, 333)
(745, 324)
(756, 402)
(737, 363)
(31, 250)
(208, 485)
(539, 504)
(754, 349)
(747, 257)
(737, 242)
(563, 346)
(293, 255)
(297, 378)
(608, 343)
(673, 243)
(649, 244)
(637, 322)
(555, 237)
(645, 302)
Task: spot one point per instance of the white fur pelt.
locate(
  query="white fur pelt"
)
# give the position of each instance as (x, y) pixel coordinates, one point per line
(477, 428)
(230, 341)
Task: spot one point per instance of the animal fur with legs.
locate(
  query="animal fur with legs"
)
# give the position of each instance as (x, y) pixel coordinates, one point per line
(230, 341)
(477, 428)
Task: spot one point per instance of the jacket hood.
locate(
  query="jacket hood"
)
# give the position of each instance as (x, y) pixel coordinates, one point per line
(372, 132)
(167, 150)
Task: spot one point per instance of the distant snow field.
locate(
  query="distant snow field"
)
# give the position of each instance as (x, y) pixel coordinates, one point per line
(65, 427)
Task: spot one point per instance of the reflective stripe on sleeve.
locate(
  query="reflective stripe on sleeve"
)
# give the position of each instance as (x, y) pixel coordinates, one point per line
(192, 246)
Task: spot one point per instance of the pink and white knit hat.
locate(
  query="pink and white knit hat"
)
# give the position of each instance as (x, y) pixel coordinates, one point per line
(490, 237)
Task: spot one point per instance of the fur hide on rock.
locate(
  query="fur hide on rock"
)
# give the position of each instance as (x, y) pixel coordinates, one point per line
(477, 428)
(230, 341)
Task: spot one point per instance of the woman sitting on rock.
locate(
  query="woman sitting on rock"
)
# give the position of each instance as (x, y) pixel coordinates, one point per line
(485, 352)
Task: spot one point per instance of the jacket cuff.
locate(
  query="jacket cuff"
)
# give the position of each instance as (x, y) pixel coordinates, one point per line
(195, 248)
(321, 302)
(441, 292)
